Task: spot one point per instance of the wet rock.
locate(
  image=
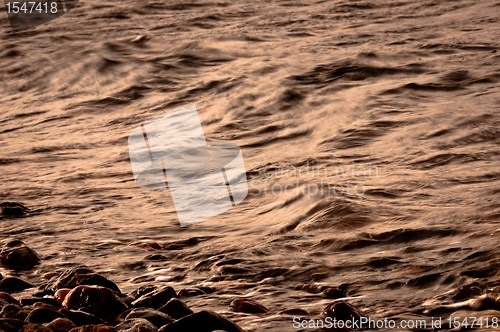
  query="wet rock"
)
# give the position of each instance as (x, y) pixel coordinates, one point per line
(156, 298)
(14, 311)
(155, 317)
(60, 295)
(99, 301)
(77, 276)
(136, 325)
(195, 291)
(43, 315)
(13, 284)
(60, 325)
(203, 321)
(148, 245)
(35, 328)
(11, 324)
(13, 209)
(248, 306)
(176, 309)
(33, 300)
(8, 298)
(333, 293)
(294, 312)
(466, 292)
(342, 311)
(94, 328)
(80, 318)
(16, 255)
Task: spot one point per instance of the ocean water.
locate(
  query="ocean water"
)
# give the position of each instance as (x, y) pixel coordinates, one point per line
(370, 133)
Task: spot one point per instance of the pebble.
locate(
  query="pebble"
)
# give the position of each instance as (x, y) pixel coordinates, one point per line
(43, 315)
(203, 321)
(14, 284)
(13, 209)
(77, 276)
(155, 317)
(248, 306)
(60, 325)
(97, 300)
(155, 299)
(17, 256)
(176, 309)
(342, 311)
(136, 325)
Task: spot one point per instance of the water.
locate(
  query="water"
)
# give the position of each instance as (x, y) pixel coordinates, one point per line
(370, 134)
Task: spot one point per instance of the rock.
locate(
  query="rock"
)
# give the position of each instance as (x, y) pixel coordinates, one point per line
(11, 324)
(33, 300)
(176, 309)
(148, 245)
(43, 315)
(248, 306)
(60, 325)
(77, 276)
(94, 328)
(136, 325)
(35, 328)
(333, 293)
(195, 291)
(342, 311)
(8, 298)
(80, 318)
(295, 312)
(203, 321)
(156, 298)
(16, 255)
(13, 209)
(60, 295)
(13, 284)
(155, 317)
(99, 301)
(14, 311)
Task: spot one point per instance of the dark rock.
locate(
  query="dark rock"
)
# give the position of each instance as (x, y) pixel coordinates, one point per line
(156, 298)
(155, 317)
(176, 309)
(192, 291)
(60, 325)
(14, 311)
(99, 301)
(13, 209)
(79, 276)
(94, 328)
(295, 312)
(33, 300)
(143, 290)
(333, 293)
(342, 311)
(203, 321)
(13, 284)
(8, 298)
(148, 245)
(35, 328)
(11, 324)
(136, 325)
(43, 315)
(248, 306)
(16, 255)
(80, 318)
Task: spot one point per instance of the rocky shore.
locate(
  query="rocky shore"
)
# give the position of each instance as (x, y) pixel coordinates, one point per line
(81, 300)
